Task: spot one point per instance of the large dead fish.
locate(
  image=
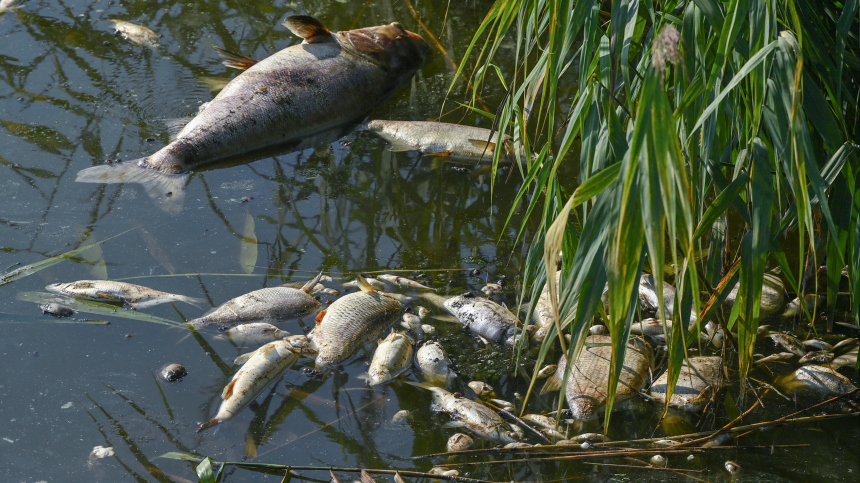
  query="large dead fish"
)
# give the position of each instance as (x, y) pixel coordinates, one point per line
(136, 34)
(264, 365)
(391, 358)
(468, 414)
(434, 364)
(696, 384)
(817, 379)
(453, 141)
(483, 317)
(270, 305)
(330, 79)
(587, 384)
(352, 321)
(774, 297)
(136, 296)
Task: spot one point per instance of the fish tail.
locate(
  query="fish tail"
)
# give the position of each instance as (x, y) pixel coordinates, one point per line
(197, 302)
(204, 426)
(422, 385)
(168, 190)
(309, 287)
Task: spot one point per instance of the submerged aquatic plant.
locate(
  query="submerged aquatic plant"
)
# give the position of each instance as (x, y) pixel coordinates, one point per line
(711, 138)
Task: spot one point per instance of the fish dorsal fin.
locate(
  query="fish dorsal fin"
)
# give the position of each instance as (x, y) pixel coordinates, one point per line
(364, 285)
(309, 287)
(234, 60)
(308, 28)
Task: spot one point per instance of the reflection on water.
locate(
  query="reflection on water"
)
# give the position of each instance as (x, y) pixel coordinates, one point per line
(72, 95)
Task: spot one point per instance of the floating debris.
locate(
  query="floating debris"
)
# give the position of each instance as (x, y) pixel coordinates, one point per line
(173, 372)
(57, 310)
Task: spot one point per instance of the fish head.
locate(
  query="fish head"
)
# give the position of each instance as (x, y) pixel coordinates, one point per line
(59, 287)
(391, 46)
(583, 408)
(300, 345)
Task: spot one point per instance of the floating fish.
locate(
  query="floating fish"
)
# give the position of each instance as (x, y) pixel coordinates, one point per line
(817, 344)
(374, 284)
(817, 379)
(136, 34)
(471, 415)
(434, 364)
(697, 382)
(452, 141)
(327, 81)
(543, 314)
(775, 357)
(173, 372)
(403, 282)
(135, 296)
(788, 342)
(491, 289)
(848, 359)
(271, 304)
(483, 317)
(547, 371)
(392, 357)
(264, 365)
(817, 357)
(773, 295)
(255, 333)
(459, 442)
(352, 321)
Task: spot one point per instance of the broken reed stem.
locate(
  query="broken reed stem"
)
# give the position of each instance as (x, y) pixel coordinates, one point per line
(288, 468)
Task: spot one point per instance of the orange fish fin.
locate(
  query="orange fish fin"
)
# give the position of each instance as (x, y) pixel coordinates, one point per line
(307, 28)
(202, 426)
(441, 154)
(234, 60)
(228, 390)
(320, 317)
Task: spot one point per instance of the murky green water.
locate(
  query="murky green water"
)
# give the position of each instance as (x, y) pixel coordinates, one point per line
(73, 95)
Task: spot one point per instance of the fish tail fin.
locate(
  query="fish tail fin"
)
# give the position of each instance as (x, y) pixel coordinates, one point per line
(552, 384)
(364, 285)
(197, 302)
(422, 385)
(207, 425)
(168, 190)
(308, 287)
(308, 28)
(234, 60)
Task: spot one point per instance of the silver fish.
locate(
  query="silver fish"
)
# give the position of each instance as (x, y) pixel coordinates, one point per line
(136, 34)
(403, 282)
(818, 357)
(696, 384)
(262, 367)
(255, 333)
(545, 422)
(135, 296)
(775, 357)
(330, 79)
(817, 344)
(352, 321)
(818, 379)
(434, 364)
(6, 4)
(452, 141)
(483, 317)
(845, 345)
(547, 371)
(374, 284)
(471, 415)
(270, 305)
(392, 357)
(773, 295)
(459, 442)
(848, 359)
(788, 342)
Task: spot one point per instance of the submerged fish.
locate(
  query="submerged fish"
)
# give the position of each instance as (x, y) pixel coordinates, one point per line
(453, 141)
(403, 282)
(272, 304)
(374, 284)
(352, 321)
(471, 415)
(818, 379)
(696, 384)
(543, 314)
(264, 365)
(135, 296)
(330, 79)
(586, 388)
(483, 317)
(136, 34)
(391, 358)
(255, 333)
(434, 364)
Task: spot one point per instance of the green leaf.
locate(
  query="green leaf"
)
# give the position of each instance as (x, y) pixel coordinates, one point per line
(205, 472)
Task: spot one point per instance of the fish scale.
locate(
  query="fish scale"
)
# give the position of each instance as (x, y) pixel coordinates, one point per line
(350, 322)
(272, 305)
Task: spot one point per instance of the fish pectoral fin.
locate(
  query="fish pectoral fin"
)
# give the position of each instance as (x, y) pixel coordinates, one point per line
(364, 285)
(308, 287)
(234, 60)
(228, 390)
(307, 28)
(168, 190)
(319, 317)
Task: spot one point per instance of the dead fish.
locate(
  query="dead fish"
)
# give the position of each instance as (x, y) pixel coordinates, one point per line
(403, 282)
(265, 364)
(135, 296)
(650, 327)
(443, 471)
(547, 371)
(544, 422)
(136, 34)
(817, 344)
(452, 141)
(412, 322)
(459, 442)
(583, 438)
(471, 415)
(428, 329)
(391, 358)
(818, 379)
(374, 284)
(845, 345)
(271, 304)
(255, 333)
(775, 357)
(543, 314)
(788, 342)
(483, 317)
(482, 389)
(400, 416)
(434, 364)
(817, 357)
(848, 359)
(330, 79)
(7, 4)
(696, 384)
(586, 385)
(773, 295)
(352, 321)
(597, 330)
(57, 310)
(491, 289)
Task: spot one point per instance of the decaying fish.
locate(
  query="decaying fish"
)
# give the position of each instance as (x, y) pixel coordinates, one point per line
(374, 284)
(547, 371)
(788, 342)
(543, 315)
(255, 333)
(330, 79)
(483, 317)
(817, 345)
(782, 356)
(352, 321)
(544, 422)
(845, 345)
(265, 364)
(391, 358)
(403, 282)
(817, 357)
(270, 305)
(136, 34)
(697, 382)
(135, 296)
(848, 359)
(453, 141)
(773, 295)
(491, 289)
(482, 389)
(587, 383)
(459, 442)
(818, 379)
(434, 364)
(7, 4)
(471, 415)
